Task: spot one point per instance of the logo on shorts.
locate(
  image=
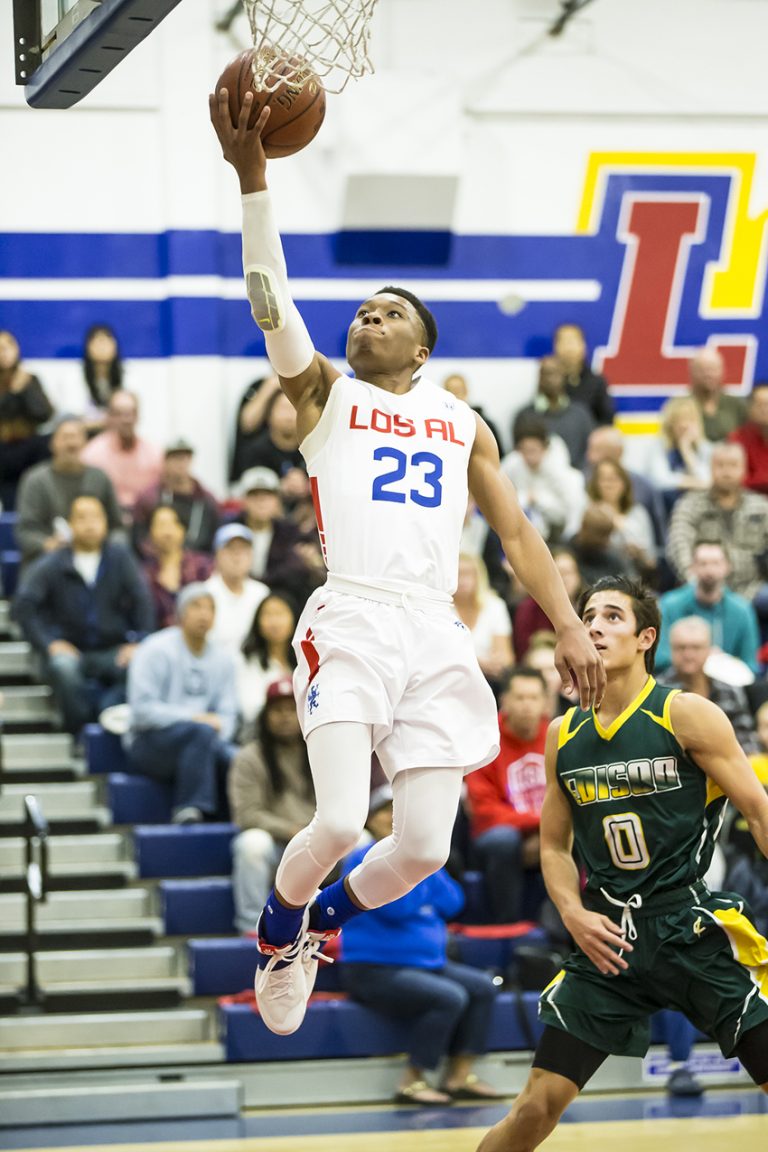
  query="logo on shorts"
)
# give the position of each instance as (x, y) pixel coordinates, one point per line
(459, 624)
(313, 699)
(698, 928)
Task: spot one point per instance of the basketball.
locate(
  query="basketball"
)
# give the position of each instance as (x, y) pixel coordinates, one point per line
(295, 113)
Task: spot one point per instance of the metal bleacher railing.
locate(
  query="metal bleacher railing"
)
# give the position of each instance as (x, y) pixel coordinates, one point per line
(31, 996)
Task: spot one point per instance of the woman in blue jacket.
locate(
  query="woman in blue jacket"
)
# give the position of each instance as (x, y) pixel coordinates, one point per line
(395, 963)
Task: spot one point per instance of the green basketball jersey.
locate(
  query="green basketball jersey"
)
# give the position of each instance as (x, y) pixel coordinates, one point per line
(645, 817)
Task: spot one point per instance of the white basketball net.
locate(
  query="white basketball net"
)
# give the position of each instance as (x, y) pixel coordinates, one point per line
(327, 39)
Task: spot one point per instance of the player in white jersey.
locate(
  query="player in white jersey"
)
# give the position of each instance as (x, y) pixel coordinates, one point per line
(384, 662)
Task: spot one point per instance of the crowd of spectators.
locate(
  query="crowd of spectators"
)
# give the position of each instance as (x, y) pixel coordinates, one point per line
(145, 595)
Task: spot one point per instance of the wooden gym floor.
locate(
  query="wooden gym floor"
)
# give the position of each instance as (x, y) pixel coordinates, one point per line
(721, 1121)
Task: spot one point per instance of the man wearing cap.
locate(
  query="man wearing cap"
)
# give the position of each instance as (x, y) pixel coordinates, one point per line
(281, 556)
(270, 798)
(183, 700)
(196, 506)
(235, 594)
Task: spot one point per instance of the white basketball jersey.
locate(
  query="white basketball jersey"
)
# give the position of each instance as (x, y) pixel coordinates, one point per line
(389, 482)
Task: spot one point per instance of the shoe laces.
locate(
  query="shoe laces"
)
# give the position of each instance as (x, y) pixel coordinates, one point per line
(278, 971)
(312, 947)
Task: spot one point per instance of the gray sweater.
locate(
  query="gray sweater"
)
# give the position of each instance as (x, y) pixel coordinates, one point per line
(45, 494)
(168, 684)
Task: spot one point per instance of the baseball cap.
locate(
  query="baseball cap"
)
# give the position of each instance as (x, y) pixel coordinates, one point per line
(179, 445)
(191, 592)
(280, 689)
(229, 532)
(254, 479)
(380, 797)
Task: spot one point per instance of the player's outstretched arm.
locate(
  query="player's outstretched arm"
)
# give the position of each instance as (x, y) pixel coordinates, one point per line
(305, 376)
(576, 657)
(706, 734)
(597, 935)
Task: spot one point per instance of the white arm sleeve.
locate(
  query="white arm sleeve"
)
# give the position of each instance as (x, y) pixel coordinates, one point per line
(289, 345)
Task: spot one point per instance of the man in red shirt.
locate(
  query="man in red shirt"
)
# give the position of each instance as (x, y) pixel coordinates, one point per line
(753, 436)
(504, 799)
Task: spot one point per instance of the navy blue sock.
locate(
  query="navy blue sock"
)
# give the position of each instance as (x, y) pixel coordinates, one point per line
(332, 908)
(280, 925)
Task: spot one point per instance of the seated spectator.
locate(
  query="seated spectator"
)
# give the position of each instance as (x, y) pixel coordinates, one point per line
(680, 457)
(250, 420)
(47, 492)
(197, 508)
(457, 385)
(84, 608)
(396, 963)
(504, 798)
(540, 655)
(690, 642)
(103, 373)
(563, 416)
(611, 487)
(271, 798)
(728, 513)
(731, 618)
(550, 493)
(593, 546)
(753, 437)
(277, 445)
(607, 443)
(182, 697)
(235, 594)
(529, 618)
(486, 616)
(721, 411)
(131, 462)
(267, 653)
(282, 558)
(584, 386)
(168, 565)
(24, 407)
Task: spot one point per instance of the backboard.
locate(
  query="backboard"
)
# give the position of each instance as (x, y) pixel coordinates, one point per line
(64, 48)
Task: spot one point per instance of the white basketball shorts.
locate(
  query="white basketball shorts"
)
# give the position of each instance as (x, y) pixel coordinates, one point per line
(406, 666)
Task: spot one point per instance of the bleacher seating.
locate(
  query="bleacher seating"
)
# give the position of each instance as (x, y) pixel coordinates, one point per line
(10, 565)
(138, 800)
(7, 531)
(336, 1028)
(199, 907)
(184, 850)
(103, 751)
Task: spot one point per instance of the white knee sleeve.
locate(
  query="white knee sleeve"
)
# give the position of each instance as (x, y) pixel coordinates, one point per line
(340, 760)
(289, 346)
(425, 804)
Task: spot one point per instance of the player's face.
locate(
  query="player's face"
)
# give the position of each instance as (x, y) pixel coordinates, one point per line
(611, 624)
(386, 335)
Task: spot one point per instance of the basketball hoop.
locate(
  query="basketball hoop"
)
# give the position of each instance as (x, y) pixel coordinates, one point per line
(327, 39)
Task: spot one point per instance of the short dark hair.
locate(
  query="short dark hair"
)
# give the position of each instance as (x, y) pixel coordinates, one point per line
(644, 605)
(427, 319)
(530, 426)
(522, 672)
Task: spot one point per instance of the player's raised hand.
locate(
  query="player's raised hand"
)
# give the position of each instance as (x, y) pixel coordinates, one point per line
(599, 939)
(580, 666)
(241, 146)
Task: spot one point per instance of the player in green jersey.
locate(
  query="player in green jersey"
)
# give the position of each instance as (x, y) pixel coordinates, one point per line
(636, 791)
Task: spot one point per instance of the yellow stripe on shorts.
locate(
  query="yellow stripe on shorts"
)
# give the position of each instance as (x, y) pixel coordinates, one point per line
(747, 945)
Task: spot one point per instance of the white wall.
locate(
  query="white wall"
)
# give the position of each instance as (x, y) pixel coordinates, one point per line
(511, 114)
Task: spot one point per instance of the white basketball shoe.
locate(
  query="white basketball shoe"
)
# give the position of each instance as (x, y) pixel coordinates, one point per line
(285, 977)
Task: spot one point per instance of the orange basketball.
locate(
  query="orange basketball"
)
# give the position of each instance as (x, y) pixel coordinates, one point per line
(295, 113)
